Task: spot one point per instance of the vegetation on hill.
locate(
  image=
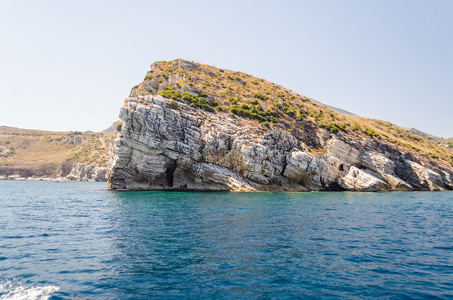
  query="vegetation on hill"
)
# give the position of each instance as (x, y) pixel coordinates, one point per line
(244, 96)
(46, 152)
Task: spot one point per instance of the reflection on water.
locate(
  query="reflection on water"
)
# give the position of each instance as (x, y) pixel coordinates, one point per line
(94, 243)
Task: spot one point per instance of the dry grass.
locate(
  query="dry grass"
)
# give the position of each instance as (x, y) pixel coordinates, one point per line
(24, 148)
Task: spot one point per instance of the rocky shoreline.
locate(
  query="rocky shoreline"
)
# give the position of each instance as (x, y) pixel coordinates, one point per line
(79, 172)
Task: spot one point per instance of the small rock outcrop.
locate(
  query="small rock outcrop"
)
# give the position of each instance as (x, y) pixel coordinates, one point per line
(165, 147)
(87, 172)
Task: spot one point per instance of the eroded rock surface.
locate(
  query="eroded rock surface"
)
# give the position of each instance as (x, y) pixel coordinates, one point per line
(161, 148)
(87, 172)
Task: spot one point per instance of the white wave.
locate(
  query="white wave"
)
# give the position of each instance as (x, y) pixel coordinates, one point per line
(15, 290)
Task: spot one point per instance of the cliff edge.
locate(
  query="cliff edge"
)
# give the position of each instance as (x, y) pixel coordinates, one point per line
(189, 126)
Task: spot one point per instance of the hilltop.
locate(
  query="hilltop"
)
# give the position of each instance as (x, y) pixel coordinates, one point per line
(247, 96)
(187, 120)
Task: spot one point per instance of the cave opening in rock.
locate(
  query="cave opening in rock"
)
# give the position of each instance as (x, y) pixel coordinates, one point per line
(171, 167)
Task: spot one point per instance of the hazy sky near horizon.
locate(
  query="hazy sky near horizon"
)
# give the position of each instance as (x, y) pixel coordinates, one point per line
(68, 65)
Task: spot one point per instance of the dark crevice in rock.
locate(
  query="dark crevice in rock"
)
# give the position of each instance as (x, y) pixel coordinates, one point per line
(404, 171)
(284, 166)
(171, 167)
(309, 136)
(335, 187)
(323, 183)
(230, 143)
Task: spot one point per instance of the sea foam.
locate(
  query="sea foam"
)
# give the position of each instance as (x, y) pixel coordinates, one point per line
(17, 290)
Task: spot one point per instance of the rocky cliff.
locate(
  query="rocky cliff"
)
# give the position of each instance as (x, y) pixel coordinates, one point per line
(87, 172)
(175, 141)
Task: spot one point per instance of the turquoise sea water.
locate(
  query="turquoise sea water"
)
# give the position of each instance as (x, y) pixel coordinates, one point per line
(81, 241)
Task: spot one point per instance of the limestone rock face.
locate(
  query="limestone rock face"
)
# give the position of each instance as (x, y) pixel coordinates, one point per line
(162, 148)
(359, 180)
(87, 172)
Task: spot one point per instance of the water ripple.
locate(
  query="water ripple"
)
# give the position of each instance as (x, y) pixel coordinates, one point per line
(79, 240)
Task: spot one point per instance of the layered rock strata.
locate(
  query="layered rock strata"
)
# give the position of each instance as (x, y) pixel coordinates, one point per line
(87, 172)
(185, 148)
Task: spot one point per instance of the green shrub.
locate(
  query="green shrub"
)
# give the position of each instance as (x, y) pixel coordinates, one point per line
(198, 101)
(272, 119)
(259, 96)
(302, 114)
(371, 133)
(171, 93)
(239, 111)
(334, 128)
(356, 127)
(290, 111)
(173, 104)
(343, 127)
(253, 110)
(257, 117)
(186, 96)
(271, 113)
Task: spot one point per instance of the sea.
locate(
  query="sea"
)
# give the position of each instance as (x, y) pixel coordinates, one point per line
(79, 240)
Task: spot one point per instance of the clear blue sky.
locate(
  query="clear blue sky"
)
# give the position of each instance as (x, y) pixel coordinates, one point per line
(68, 65)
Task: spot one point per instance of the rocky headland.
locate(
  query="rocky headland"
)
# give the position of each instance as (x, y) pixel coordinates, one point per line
(190, 126)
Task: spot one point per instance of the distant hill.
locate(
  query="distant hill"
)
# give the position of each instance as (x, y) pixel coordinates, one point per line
(422, 134)
(39, 153)
(111, 128)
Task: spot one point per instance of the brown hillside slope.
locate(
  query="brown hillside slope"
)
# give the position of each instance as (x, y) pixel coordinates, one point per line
(38, 153)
